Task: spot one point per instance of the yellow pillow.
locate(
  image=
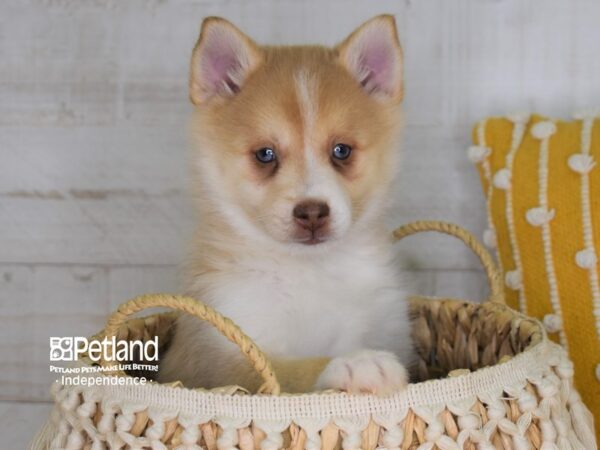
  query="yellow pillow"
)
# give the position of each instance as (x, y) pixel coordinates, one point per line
(541, 181)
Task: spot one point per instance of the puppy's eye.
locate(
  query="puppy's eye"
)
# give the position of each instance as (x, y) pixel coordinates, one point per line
(341, 151)
(266, 155)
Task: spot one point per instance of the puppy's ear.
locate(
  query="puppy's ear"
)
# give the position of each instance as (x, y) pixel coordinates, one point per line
(373, 56)
(221, 61)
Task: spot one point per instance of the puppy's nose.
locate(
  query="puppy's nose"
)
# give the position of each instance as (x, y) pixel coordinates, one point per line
(311, 214)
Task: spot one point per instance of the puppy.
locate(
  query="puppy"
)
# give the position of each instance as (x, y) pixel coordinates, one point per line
(294, 152)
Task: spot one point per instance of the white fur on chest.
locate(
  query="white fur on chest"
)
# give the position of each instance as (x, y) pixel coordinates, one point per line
(332, 304)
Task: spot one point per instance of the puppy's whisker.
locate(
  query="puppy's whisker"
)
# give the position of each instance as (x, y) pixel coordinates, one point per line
(266, 216)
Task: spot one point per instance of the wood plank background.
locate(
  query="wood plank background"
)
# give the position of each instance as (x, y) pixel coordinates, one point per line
(93, 112)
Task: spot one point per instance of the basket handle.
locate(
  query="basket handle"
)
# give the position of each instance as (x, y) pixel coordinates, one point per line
(493, 275)
(196, 308)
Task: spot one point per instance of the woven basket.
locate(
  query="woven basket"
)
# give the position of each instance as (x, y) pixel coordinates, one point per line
(495, 381)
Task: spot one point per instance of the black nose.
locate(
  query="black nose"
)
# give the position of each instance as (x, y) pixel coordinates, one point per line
(311, 214)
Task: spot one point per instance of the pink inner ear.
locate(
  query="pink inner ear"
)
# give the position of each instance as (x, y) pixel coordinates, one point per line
(220, 64)
(219, 67)
(376, 61)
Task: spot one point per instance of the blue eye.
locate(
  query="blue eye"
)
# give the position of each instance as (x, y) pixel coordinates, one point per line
(266, 155)
(341, 151)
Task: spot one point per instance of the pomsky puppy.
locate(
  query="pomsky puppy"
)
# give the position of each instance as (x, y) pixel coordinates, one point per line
(294, 152)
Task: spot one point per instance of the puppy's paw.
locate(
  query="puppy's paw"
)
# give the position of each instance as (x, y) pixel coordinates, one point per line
(367, 371)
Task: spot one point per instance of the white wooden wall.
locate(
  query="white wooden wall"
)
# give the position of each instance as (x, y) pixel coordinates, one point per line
(93, 109)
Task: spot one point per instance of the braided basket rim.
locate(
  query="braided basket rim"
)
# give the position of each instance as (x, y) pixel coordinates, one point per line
(286, 406)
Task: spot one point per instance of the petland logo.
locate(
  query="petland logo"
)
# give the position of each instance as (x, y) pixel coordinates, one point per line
(72, 348)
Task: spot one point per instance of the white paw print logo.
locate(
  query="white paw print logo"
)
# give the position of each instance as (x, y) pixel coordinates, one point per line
(61, 349)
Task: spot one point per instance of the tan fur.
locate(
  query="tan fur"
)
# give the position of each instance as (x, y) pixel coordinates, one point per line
(261, 115)
(301, 101)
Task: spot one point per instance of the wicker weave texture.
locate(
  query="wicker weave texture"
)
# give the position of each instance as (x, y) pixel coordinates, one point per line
(495, 381)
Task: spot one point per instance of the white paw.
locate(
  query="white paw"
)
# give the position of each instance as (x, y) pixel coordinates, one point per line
(367, 371)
